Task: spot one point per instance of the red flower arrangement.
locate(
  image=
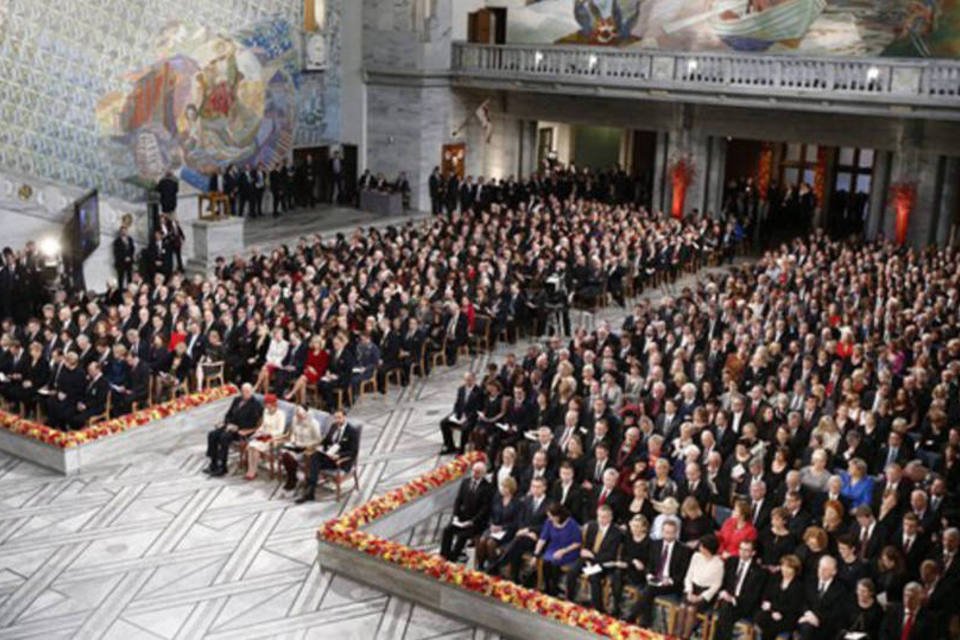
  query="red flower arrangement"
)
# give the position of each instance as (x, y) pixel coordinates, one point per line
(682, 173)
(345, 531)
(903, 195)
(69, 439)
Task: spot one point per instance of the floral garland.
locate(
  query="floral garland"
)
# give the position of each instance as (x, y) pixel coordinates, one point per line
(345, 531)
(70, 439)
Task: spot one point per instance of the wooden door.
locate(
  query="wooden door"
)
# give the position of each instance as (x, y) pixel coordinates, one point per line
(452, 159)
(480, 26)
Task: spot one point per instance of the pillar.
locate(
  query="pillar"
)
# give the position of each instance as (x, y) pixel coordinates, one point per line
(660, 186)
(716, 176)
(874, 226)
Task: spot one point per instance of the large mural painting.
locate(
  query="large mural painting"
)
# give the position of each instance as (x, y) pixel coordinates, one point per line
(207, 101)
(910, 28)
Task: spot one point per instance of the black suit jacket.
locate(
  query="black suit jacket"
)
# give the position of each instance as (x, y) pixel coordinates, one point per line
(576, 497)
(924, 624)
(349, 440)
(474, 505)
(246, 415)
(616, 500)
(123, 252)
(468, 405)
(752, 587)
(830, 607)
(95, 396)
(679, 560)
(609, 546)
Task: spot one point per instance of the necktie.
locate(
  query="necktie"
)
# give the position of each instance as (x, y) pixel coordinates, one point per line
(740, 573)
(473, 486)
(598, 540)
(756, 512)
(892, 455)
(907, 627)
(603, 498)
(563, 495)
(864, 534)
(907, 541)
(662, 565)
(598, 473)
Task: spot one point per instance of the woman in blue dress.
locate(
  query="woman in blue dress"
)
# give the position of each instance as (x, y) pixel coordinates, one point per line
(559, 545)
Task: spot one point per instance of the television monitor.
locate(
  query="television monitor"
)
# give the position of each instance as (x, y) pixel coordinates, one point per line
(86, 224)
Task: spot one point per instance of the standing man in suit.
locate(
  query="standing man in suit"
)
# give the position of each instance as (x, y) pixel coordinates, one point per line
(435, 182)
(338, 450)
(124, 254)
(668, 565)
(743, 583)
(452, 193)
(464, 415)
(242, 419)
(826, 599)
(534, 514)
(277, 181)
(168, 187)
(337, 179)
(601, 547)
(470, 512)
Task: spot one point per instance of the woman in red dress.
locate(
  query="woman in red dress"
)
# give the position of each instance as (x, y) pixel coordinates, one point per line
(736, 529)
(313, 369)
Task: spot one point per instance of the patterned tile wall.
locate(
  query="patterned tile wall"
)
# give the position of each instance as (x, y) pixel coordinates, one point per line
(59, 58)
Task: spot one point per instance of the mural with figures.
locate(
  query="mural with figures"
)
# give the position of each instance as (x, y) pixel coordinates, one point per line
(908, 28)
(209, 100)
(95, 93)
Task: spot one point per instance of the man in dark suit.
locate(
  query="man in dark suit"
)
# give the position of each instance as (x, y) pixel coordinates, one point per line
(470, 512)
(434, 183)
(242, 419)
(743, 583)
(338, 372)
(94, 400)
(124, 254)
(910, 619)
(667, 567)
(826, 601)
(911, 543)
(338, 450)
(411, 349)
(601, 547)
(168, 188)
(157, 256)
(534, 514)
(464, 414)
(455, 332)
(567, 492)
(607, 493)
(67, 386)
(136, 385)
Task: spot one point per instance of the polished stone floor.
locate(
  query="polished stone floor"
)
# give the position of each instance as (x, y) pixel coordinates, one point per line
(326, 219)
(150, 547)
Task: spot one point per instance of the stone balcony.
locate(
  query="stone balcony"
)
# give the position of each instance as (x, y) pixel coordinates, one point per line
(874, 86)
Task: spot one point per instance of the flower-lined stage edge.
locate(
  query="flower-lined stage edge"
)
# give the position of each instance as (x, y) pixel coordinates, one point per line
(69, 439)
(345, 531)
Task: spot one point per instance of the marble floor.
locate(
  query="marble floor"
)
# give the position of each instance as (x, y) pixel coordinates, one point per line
(326, 219)
(150, 547)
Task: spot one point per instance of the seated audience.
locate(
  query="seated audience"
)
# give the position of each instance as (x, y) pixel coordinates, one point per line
(242, 419)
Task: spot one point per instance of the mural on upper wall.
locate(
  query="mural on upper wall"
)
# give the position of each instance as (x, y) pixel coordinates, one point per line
(912, 28)
(209, 100)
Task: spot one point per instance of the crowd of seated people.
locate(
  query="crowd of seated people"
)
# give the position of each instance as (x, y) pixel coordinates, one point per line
(322, 320)
(780, 442)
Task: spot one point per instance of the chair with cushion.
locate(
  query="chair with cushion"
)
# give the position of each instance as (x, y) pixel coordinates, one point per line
(346, 466)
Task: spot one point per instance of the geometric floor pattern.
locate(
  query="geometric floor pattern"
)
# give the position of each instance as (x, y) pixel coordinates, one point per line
(150, 547)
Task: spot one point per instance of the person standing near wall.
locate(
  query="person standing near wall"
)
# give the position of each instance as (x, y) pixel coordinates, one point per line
(123, 256)
(168, 187)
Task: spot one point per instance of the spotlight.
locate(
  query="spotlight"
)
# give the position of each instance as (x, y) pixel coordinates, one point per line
(593, 60)
(691, 66)
(538, 57)
(50, 248)
(873, 73)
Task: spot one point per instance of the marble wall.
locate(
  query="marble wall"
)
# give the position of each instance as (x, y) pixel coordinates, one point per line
(60, 58)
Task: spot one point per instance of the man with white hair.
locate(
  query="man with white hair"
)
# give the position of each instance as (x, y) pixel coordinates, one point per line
(826, 600)
(470, 511)
(242, 419)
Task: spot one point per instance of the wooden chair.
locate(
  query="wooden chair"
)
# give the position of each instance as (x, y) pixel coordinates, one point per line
(213, 371)
(346, 468)
(441, 355)
(396, 373)
(667, 606)
(92, 420)
(370, 384)
(481, 334)
(419, 365)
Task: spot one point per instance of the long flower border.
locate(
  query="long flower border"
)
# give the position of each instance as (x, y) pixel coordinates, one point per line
(70, 439)
(345, 531)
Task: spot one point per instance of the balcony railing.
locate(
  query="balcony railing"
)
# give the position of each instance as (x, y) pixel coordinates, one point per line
(921, 83)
